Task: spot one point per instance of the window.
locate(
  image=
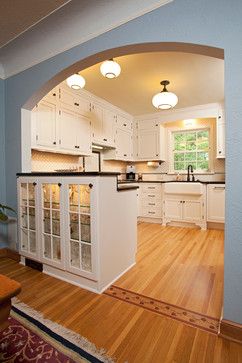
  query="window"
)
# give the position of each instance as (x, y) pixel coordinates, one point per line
(191, 147)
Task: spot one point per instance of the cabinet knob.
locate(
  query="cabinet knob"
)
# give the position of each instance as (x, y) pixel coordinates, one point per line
(220, 152)
(124, 124)
(54, 142)
(59, 184)
(76, 104)
(125, 154)
(34, 183)
(54, 94)
(90, 186)
(105, 140)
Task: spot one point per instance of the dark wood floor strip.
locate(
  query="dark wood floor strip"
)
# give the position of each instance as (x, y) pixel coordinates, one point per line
(186, 316)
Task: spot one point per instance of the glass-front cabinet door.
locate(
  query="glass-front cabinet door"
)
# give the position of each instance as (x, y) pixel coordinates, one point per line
(52, 248)
(27, 219)
(80, 235)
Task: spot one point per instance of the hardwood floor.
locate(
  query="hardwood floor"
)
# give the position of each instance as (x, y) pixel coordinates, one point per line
(180, 266)
(127, 332)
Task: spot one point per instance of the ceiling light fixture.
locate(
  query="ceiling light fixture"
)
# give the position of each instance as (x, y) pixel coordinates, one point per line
(164, 100)
(76, 81)
(110, 69)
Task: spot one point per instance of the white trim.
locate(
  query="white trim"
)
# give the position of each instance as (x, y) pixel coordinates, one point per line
(117, 277)
(86, 38)
(170, 148)
(199, 111)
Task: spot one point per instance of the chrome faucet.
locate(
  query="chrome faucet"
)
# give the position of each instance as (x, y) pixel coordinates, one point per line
(190, 167)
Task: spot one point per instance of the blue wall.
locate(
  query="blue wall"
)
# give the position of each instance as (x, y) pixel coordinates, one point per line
(2, 160)
(214, 23)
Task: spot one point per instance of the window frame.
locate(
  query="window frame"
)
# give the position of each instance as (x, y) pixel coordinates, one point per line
(171, 150)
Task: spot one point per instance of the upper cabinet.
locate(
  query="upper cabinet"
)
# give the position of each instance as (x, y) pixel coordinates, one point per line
(123, 139)
(150, 140)
(220, 128)
(102, 121)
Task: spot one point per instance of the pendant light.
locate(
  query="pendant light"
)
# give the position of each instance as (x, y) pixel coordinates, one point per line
(110, 69)
(76, 81)
(164, 100)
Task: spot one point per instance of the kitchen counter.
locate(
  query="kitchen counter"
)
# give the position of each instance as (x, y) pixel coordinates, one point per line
(64, 173)
(169, 181)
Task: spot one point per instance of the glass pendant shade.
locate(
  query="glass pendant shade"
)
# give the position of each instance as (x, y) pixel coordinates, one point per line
(76, 81)
(164, 100)
(110, 69)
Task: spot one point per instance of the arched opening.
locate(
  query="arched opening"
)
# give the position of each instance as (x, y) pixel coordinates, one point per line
(117, 52)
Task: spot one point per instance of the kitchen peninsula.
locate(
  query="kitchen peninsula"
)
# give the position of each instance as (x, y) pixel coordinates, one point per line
(78, 227)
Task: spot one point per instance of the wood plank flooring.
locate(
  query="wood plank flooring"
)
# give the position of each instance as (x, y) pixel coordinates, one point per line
(180, 266)
(127, 332)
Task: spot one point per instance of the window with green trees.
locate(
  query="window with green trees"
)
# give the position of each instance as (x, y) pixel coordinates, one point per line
(191, 147)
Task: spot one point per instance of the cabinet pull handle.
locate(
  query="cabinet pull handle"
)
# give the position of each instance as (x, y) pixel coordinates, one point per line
(157, 154)
(151, 203)
(151, 195)
(183, 201)
(151, 212)
(220, 152)
(54, 142)
(54, 94)
(76, 104)
(219, 188)
(105, 140)
(151, 187)
(180, 201)
(124, 124)
(34, 183)
(59, 184)
(90, 185)
(125, 154)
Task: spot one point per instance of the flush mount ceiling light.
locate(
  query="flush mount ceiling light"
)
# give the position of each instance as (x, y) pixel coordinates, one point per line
(76, 81)
(164, 100)
(110, 69)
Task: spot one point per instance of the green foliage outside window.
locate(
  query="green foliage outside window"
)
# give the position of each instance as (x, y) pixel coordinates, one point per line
(191, 147)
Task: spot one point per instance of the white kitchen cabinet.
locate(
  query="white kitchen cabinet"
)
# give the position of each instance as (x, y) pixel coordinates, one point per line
(74, 132)
(27, 219)
(67, 224)
(44, 125)
(216, 203)
(220, 129)
(151, 141)
(185, 208)
(52, 222)
(102, 120)
(109, 118)
(71, 100)
(150, 200)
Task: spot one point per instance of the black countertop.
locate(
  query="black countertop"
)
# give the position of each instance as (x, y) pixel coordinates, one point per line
(168, 181)
(75, 173)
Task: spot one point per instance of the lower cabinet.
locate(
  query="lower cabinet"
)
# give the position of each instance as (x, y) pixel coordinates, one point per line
(61, 232)
(79, 227)
(150, 200)
(185, 208)
(216, 203)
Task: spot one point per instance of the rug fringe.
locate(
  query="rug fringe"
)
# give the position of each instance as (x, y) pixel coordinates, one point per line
(70, 335)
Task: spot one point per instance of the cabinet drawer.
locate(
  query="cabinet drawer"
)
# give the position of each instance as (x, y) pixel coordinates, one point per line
(151, 202)
(151, 188)
(151, 211)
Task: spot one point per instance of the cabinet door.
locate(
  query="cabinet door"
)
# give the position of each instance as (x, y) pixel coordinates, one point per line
(148, 144)
(44, 116)
(216, 203)
(28, 219)
(123, 144)
(192, 211)
(67, 126)
(84, 135)
(52, 249)
(97, 122)
(73, 101)
(80, 235)
(220, 139)
(173, 209)
(109, 119)
(124, 122)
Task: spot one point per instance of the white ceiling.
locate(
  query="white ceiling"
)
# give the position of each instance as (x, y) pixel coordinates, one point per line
(17, 16)
(38, 32)
(196, 80)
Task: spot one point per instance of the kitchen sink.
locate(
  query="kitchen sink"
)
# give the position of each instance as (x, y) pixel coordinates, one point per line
(183, 188)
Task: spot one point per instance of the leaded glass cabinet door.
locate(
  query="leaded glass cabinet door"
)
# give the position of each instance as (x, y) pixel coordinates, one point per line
(51, 230)
(81, 231)
(28, 218)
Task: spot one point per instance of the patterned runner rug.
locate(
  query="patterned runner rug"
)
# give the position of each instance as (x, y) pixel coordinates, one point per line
(31, 338)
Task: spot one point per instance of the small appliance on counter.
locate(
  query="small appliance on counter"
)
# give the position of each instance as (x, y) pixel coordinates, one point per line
(130, 172)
